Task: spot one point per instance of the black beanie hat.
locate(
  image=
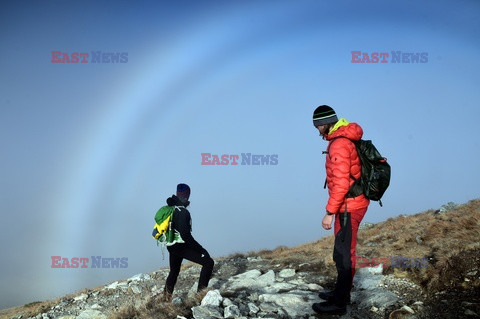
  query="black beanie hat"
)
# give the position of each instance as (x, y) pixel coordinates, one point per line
(324, 114)
(183, 191)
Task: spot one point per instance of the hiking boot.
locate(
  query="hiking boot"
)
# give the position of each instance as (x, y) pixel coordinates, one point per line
(166, 297)
(329, 308)
(329, 296)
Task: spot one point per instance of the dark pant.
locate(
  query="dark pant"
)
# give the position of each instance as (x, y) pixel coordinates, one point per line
(178, 252)
(344, 251)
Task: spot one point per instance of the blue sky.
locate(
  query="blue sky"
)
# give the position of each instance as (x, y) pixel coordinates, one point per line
(91, 151)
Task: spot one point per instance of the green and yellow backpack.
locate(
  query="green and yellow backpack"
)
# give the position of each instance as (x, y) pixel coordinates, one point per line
(163, 231)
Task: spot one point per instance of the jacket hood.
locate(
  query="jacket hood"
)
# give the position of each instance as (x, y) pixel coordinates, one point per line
(177, 201)
(343, 128)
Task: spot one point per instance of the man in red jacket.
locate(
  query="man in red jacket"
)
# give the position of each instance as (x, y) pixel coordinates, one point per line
(342, 163)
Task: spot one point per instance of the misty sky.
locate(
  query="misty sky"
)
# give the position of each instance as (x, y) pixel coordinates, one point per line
(90, 151)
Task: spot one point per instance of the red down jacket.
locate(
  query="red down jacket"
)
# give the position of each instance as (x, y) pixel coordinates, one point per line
(342, 160)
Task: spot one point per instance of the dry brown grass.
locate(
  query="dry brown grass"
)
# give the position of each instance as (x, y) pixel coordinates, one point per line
(154, 308)
(38, 307)
(442, 238)
(29, 310)
(316, 256)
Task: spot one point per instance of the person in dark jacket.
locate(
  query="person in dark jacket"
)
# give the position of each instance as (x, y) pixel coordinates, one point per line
(343, 166)
(186, 247)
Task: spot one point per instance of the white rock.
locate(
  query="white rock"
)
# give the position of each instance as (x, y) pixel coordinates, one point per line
(140, 277)
(286, 273)
(377, 297)
(231, 312)
(227, 302)
(266, 279)
(279, 288)
(212, 298)
(253, 296)
(314, 287)
(193, 290)
(136, 289)
(206, 312)
(252, 280)
(297, 282)
(254, 258)
(81, 297)
(155, 290)
(294, 305)
(408, 309)
(370, 270)
(268, 307)
(252, 274)
(123, 285)
(253, 308)
(213, 283)
(91, 314)
(113, 285)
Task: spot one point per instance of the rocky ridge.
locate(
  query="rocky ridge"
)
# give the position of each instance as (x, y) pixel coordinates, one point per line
(247, 288)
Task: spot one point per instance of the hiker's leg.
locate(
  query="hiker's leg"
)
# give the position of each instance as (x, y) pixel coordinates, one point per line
(175, 264)
(343, 258)
(206, 273)
(355, 218)
(204, 259)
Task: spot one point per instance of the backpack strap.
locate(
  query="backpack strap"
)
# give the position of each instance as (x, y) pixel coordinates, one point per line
(171, 218)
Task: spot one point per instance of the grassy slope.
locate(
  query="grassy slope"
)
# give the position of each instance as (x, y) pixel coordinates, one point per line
(441, 237)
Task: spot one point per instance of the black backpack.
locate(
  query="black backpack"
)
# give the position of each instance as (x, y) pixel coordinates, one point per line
(375, 176)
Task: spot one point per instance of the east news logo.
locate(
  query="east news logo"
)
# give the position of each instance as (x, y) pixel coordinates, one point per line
(82, 262)
(395, 57)
(246, 159)
(95, 57)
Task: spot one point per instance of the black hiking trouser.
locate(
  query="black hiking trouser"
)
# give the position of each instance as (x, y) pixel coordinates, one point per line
(178, 252)
(342, 259)
(344, 251)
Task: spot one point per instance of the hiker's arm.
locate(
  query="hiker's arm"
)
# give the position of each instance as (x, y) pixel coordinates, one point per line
(185, 230)
(338, 174)
(327, 221)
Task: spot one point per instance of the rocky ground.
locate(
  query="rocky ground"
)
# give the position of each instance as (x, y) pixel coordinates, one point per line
(285, 282)
(251, 287)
